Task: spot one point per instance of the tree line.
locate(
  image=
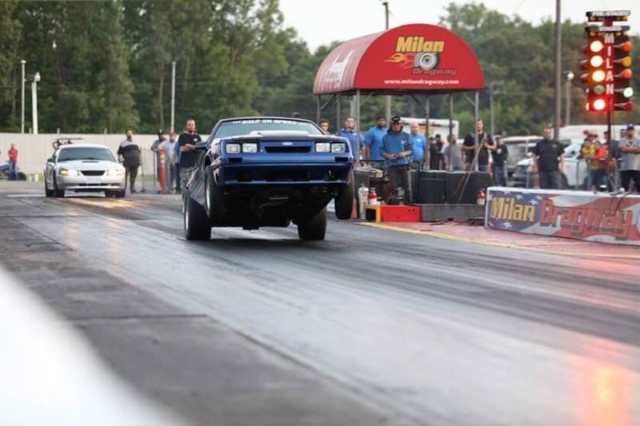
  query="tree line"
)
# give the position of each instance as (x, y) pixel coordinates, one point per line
(106, 66)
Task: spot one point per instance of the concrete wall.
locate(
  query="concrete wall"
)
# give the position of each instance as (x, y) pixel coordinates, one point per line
(33, 150)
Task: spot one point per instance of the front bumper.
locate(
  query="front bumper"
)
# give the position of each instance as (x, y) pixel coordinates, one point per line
(91, 183)
(283, 174)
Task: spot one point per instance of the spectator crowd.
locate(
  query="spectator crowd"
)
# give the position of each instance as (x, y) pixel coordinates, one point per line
(400, 146)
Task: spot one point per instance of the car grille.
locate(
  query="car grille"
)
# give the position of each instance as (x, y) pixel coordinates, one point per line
(287, 149)
(93, 172)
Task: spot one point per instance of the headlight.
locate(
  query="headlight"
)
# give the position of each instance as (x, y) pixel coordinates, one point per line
(249, 147)
(323, 147)
(232, 148)
(114, 172)
(338, 148)
(67, 172)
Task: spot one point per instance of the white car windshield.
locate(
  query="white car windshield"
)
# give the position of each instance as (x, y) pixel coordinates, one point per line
(83, 153)
(246, 126)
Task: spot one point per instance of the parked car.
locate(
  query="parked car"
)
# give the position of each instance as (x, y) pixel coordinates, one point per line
(518, 147)
(83, 167)
(268, 171)
(574, 169)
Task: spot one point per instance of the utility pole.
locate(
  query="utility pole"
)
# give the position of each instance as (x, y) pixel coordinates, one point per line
(22, 63)
(493, 91)
(567, 108)
(34, 102)
(387, 98)
(173, 96)
(558, 74)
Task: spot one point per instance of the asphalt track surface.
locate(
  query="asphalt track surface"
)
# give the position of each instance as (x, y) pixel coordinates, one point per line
(371, 326)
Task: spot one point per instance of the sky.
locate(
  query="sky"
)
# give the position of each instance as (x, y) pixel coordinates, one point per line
(321, 22)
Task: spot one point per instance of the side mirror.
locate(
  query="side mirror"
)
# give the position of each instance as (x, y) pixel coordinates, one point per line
(202, 146)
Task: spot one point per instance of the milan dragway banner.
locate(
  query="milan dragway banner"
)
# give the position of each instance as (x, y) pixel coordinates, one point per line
(570, 214)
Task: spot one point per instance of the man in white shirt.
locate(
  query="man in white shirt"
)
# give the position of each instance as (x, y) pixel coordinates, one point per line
(630, 160)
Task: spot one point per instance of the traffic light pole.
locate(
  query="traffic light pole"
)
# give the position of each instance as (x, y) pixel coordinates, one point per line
(558, 74)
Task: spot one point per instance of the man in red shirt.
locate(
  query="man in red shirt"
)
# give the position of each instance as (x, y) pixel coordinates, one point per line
(13, 161)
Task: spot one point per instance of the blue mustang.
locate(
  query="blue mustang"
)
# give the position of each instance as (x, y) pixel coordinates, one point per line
(268, 171)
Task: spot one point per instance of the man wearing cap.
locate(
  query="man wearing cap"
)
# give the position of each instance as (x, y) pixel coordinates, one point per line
(397, 151)
(373, 140)
(630, 161)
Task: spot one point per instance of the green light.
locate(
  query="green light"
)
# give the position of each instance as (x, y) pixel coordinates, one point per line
(628, 92)
(599, 89)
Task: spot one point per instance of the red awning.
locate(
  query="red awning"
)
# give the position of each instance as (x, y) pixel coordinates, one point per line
(414, 58)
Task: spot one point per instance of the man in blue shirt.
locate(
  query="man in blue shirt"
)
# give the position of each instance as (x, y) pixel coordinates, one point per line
(373, 140)
(418, 146)
(349, 133)
(397, 151)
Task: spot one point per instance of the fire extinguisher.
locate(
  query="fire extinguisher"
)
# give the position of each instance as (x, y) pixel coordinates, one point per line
(373, 197)
(482, 197)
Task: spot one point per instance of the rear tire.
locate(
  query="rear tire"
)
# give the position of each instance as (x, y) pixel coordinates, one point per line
(214, 198)
(344, 202)
(315, 228)
(196, 222)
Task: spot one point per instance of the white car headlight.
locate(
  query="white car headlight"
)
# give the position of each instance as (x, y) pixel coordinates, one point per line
(67, 172)
(323, 147)
(338, 148)
(115, 172)
(232, 148)
(250, 147)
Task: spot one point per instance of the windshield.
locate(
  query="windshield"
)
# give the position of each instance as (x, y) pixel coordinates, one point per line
(70, 154)
(243, 127)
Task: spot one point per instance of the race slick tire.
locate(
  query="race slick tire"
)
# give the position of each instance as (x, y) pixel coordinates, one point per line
(214, 199)
(196, 222)
(315, 228)
(344, 202)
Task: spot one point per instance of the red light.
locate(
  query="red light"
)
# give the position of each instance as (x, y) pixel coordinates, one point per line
(599, 104)
(626, 106)
(625, 47)
(625, 74)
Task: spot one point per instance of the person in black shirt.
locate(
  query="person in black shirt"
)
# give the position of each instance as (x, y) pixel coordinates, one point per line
(500, 155)
(548, 156)
(187, 143)
(485, 144)
(436, 159)
(129, 151)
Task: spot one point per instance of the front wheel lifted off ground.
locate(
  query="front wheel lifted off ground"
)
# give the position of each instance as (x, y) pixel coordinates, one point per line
(315, 228)
(196, 222)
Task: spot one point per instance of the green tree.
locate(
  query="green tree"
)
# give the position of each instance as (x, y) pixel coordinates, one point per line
(9, 67)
